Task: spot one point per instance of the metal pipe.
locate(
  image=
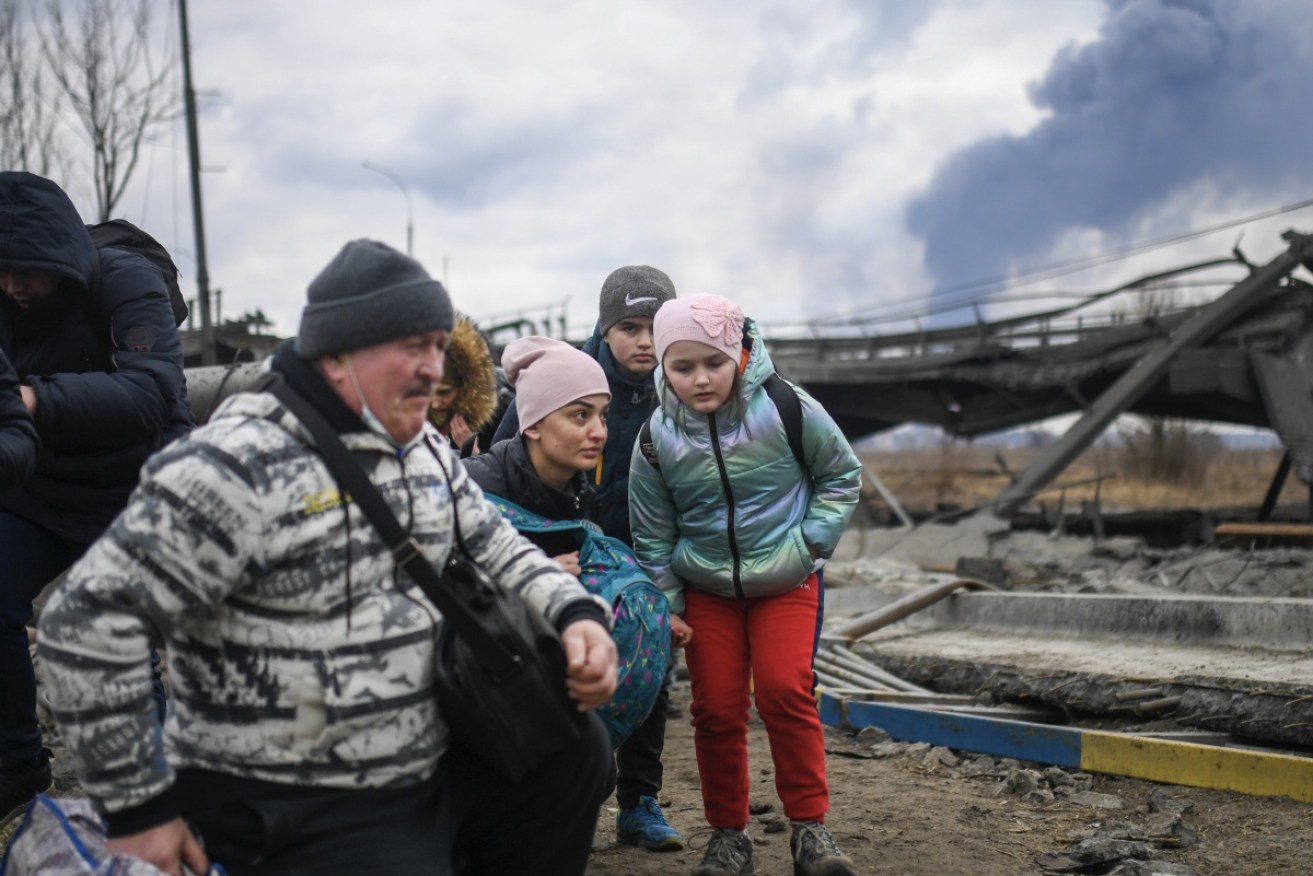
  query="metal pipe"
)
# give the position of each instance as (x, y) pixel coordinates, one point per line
(839, 678)
(850, 674)
(853, 663)
(896, 611)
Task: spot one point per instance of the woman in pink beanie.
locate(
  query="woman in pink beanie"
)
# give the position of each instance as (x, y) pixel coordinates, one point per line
(538, 480)
(563, 396)
(734, 528)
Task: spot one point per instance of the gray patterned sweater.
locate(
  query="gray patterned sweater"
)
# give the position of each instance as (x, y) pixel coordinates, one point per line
(296, 653)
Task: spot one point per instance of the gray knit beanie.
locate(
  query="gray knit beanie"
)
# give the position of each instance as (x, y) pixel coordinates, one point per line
(635, 290)
(369, 294)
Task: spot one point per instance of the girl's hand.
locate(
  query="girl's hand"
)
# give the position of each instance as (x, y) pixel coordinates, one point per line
(680, 631)
(570, 563)
(460, 429)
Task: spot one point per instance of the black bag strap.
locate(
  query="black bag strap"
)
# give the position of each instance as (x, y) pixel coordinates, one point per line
(790, 408)
(645, 445)
(405, 550)
(786, 402)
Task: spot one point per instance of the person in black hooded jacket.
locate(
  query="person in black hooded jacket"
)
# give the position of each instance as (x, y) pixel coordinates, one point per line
(92, 337)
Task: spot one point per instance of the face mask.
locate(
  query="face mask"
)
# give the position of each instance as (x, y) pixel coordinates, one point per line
(369, 418)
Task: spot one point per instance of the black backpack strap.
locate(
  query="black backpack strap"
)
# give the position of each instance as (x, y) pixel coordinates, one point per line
(790, 407)
(405, 550)
(645, 445)
(786, 401)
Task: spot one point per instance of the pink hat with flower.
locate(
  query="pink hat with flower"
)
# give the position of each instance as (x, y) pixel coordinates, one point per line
(707, 319)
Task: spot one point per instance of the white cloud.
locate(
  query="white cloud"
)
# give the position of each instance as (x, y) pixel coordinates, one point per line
(751, 150)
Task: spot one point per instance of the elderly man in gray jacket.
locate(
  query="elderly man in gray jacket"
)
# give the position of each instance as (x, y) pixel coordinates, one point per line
(304, 735)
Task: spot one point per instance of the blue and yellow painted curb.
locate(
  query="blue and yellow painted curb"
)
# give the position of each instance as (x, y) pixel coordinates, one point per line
(1138, 757)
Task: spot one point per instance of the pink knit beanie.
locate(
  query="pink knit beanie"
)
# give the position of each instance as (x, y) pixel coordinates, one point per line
(549, 374)
(707, 319)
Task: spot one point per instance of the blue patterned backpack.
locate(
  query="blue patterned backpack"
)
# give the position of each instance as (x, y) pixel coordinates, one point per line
(641, 614)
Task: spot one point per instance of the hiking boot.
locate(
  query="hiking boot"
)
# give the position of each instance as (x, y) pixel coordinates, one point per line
(729, 853)
(20, 782)
(645, 825)
(815, 854)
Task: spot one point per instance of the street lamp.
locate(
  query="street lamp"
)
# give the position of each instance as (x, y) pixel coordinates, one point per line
(410, 215)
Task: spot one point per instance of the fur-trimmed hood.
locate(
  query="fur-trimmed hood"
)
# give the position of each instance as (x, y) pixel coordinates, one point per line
(469, 367)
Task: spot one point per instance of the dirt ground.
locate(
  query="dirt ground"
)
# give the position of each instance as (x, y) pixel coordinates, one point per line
(907, 810)
(911, 813)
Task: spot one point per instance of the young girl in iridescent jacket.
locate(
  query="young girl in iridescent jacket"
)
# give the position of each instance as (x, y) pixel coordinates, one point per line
(727, 521)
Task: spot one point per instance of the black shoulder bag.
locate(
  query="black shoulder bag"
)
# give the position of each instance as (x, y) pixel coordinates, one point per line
(500, 673)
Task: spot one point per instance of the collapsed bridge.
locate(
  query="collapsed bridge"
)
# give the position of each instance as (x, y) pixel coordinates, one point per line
(1245, 358)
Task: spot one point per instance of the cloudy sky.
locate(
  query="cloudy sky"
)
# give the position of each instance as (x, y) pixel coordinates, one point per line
(811, 160)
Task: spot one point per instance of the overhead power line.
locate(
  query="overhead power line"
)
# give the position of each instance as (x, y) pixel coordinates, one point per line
(944, 295)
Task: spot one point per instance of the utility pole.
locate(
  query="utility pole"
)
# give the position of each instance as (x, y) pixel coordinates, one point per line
(198, 224)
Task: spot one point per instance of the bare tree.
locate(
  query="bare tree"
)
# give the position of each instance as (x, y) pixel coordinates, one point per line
(29, 110)
(98, 52)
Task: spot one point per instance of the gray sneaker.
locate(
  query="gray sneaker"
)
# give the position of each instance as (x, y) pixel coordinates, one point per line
(729, 853)
(815, 853)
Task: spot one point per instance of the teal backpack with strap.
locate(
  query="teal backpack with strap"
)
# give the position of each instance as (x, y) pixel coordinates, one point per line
(640, 614)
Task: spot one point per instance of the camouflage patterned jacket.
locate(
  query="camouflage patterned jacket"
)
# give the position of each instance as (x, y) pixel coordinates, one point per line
(296, 654)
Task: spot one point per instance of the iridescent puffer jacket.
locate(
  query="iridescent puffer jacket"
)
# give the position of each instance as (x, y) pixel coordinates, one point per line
(726, 509)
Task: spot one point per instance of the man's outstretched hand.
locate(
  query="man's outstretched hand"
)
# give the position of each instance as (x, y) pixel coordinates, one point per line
(591, 664)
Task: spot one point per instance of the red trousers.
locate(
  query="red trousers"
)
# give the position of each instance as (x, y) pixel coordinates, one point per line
(764, 646)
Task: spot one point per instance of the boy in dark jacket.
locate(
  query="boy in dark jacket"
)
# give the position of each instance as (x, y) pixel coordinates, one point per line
(92, 337)
(622, 344)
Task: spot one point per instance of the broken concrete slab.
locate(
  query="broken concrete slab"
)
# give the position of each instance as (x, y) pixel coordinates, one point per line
(1022, 559)
(1271, 623)
(1216, 666)
(1086, 680)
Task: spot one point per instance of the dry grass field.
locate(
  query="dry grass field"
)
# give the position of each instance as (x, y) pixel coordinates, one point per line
(1191, 470)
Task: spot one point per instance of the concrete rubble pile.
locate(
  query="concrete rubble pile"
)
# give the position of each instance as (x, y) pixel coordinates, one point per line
(1201, 642)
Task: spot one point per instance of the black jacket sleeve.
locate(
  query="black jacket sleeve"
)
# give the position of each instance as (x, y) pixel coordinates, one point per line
(509, 426)
(136, 399)
(18, 440)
